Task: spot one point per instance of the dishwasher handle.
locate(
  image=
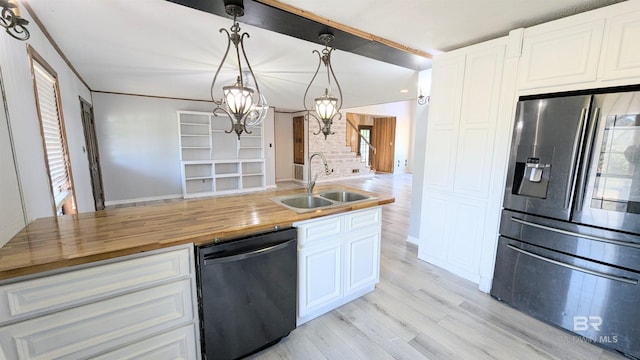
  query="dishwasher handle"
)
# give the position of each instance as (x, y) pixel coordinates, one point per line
(247, 255)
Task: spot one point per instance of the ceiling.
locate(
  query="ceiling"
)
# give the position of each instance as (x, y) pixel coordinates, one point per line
(159, 48)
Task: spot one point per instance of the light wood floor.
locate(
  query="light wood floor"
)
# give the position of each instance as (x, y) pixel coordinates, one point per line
(419, 311)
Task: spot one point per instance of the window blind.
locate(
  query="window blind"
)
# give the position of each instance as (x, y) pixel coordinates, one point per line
(57, 159)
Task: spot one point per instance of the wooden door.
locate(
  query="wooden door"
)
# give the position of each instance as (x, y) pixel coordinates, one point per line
(91, 142)
(298, 140)
(383, 139)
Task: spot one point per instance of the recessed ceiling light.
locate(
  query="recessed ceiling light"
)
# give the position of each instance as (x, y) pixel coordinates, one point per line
(404, 91)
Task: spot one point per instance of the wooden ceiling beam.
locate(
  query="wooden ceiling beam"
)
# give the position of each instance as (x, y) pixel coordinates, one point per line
(346, 28)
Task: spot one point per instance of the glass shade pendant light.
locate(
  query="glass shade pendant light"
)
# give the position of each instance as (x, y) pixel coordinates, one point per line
(243, 104)
(258, 112)
(326, 107)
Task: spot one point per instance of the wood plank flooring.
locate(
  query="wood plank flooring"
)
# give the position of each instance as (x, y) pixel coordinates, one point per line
(419, 311)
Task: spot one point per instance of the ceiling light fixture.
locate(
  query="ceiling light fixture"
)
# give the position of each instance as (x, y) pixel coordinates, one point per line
(12, 22)
(326, 106)
(242, 102)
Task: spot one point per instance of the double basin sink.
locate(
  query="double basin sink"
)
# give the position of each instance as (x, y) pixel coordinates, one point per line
(323, 200)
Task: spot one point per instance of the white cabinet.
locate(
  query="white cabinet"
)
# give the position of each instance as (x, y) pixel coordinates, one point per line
(464, 159)
(89, 311)
(621, 55)
(338, 260)
(595, 49)
(214, 162)
(557, 53)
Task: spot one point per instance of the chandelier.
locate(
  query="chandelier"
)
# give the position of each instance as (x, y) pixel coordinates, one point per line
(242, 102)
(12, 22)
(326, 107)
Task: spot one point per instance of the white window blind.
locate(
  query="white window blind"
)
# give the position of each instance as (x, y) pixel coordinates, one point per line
(57, 159)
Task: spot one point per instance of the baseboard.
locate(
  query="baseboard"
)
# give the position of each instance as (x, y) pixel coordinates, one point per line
(143, 199)
(330, 179)
(475, 278)
(413, 240)
(485, 284)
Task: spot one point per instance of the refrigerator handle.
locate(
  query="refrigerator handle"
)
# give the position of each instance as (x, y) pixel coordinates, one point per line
(575, 155)
(582, 181)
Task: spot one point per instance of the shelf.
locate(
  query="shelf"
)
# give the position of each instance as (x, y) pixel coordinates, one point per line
(196, 124)
(199, 178)
(216, 162)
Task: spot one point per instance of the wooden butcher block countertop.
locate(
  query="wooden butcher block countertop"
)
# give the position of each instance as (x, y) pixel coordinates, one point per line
(58, 242)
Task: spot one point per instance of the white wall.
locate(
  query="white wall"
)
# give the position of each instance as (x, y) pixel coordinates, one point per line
(419, 154)
(11, 212)
(284, 146)
(405, 113)
(269, 149)
(139, 150)
(25, 126)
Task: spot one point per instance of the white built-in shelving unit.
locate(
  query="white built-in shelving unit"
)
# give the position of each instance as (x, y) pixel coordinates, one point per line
(214, 162)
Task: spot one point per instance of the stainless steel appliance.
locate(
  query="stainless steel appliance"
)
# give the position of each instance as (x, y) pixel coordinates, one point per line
(247, 292)
(569, 246)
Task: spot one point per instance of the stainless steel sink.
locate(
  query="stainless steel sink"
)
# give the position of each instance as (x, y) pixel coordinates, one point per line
(344, 196)
(306, 202)
(327, 199)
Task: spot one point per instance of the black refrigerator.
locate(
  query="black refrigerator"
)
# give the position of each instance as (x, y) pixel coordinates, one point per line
(569, 245)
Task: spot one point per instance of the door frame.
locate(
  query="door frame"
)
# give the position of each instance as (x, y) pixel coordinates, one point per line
(91, 147)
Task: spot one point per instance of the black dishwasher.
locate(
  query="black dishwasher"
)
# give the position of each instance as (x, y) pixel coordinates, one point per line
(247, 293)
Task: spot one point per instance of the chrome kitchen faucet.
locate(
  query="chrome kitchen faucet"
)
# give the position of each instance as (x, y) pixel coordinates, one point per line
(312, 183)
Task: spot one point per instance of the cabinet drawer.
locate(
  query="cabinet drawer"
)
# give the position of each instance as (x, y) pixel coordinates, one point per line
(42, 295)
(369, 218)
(94, 328)
(313, 231)
(175, 344)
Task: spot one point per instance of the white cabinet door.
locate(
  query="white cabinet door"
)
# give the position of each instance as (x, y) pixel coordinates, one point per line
(90, 329)
(362, 261)
(319, 276)
(560, 55)
(25, 299)
(178, 344)
(478, 117)
(444, 118)
(622, 53)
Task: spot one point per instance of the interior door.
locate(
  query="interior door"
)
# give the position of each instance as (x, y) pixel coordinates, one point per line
(298, 140)
(383, 139)
(93, 156)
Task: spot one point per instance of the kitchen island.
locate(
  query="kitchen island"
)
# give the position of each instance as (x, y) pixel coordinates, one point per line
(59, 242)
(121, 283)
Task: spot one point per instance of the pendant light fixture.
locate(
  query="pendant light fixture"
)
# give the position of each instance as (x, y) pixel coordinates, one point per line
(242, 102)
(11, 21)
(325, 107)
